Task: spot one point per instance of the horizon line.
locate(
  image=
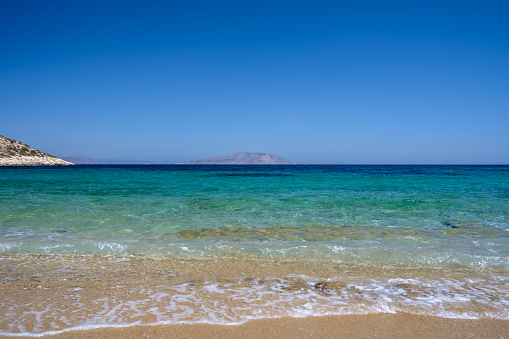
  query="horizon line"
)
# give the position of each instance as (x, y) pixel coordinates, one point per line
(304, 164)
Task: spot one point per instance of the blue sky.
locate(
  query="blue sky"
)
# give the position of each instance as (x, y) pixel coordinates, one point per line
(313, 81)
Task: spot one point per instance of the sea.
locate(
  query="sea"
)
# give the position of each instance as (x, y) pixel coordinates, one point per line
(91, 246)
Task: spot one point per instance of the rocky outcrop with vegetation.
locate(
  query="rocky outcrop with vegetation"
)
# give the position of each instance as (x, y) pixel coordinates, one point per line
(244, 159)
(15, 153)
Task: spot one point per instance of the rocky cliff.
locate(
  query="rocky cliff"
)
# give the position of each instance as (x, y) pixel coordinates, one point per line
(244, 159)
(15, 153)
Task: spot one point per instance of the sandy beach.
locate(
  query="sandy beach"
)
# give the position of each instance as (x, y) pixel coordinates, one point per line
(400, 325)
(59, 288)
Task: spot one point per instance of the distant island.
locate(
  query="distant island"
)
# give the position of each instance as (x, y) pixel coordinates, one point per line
(83, 160)
(244, 159)
(15, 153)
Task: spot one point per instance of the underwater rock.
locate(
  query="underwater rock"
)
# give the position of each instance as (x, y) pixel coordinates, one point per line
(330, 285)
(295, 286)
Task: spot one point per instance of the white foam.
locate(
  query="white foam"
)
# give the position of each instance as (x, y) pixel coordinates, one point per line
(7, 246)
(48, 248)
(337, 249)
(116, 247)
(235, 302)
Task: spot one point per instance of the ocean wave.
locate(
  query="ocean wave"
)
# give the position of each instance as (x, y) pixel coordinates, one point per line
(229, 302)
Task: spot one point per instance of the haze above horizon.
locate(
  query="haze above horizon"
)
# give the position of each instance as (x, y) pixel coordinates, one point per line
(365, 82)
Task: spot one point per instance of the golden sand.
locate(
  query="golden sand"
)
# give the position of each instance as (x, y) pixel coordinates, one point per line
(56, 279)
(398, 325)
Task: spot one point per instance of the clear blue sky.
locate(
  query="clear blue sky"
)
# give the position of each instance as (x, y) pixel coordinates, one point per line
(312, 81)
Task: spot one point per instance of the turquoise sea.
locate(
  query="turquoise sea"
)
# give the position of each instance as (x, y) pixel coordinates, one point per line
(264, 241)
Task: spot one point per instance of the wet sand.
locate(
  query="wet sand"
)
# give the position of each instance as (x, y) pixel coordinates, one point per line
(55, 281)
(400, 325)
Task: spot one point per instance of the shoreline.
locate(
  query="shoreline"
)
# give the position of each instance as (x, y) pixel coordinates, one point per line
(382, 325)
(56, 295)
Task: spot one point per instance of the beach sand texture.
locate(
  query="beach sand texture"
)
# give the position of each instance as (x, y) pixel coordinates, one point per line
(56, 279)
(400, 325)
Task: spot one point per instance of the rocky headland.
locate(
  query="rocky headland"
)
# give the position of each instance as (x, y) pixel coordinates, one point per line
(15, 153)
(244, 159)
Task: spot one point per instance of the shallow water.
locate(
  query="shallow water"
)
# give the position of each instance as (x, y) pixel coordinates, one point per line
(89, 246)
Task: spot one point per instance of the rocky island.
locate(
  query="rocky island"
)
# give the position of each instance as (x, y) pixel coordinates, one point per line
(15, 153)
(244, 159)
